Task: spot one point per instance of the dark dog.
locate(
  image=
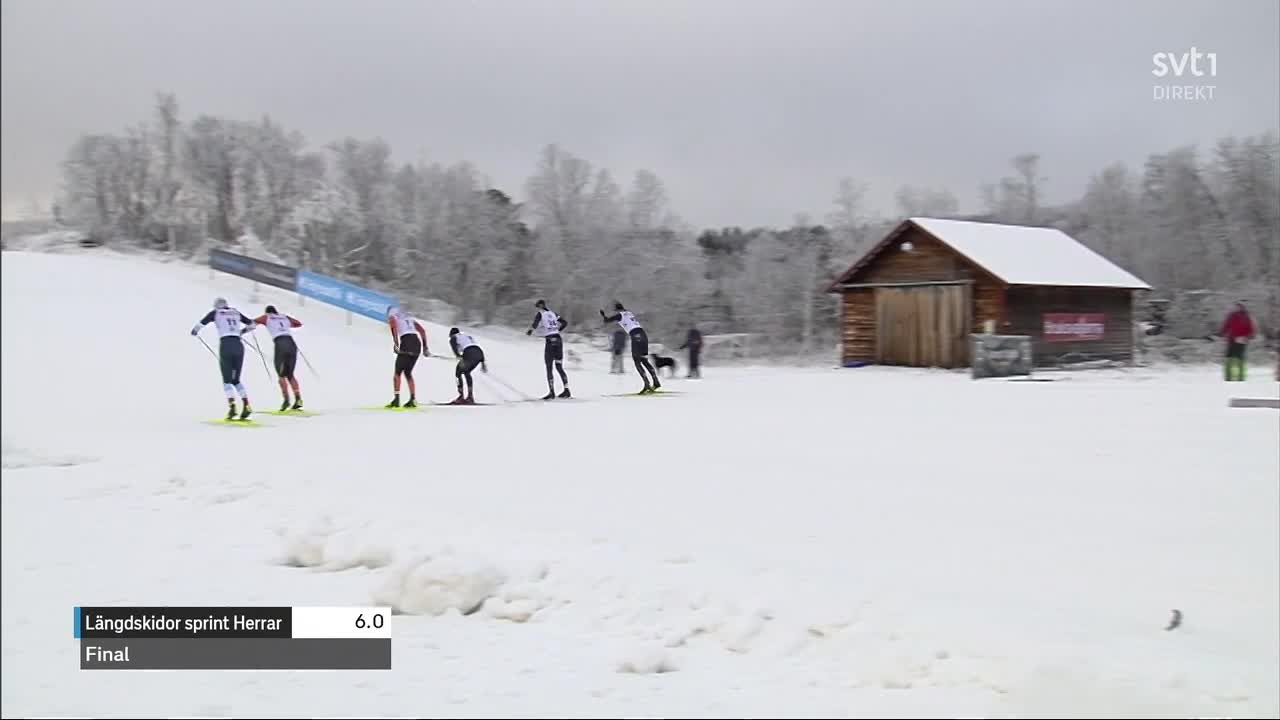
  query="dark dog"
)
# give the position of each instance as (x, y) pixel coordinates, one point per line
(661, 361)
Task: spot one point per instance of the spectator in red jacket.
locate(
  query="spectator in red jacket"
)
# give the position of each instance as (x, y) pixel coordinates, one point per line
(1238, 330)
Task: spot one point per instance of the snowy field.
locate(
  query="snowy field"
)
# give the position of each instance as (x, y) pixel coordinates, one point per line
(767, 543)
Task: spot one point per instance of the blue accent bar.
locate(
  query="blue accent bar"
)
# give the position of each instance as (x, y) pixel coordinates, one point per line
(77, 622)
(368, 303)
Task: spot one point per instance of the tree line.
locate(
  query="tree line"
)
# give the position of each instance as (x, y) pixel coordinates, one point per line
(1187, 222)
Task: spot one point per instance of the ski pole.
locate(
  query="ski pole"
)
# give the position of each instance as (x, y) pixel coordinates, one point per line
(308, 362)
(498, 391)
(261, 355)
(507, 385)
(259, 351)
(206, 347)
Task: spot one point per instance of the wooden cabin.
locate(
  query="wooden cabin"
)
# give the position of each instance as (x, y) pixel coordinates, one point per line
(917, 295)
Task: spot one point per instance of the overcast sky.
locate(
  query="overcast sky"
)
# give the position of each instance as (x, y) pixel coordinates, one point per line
(749, 111)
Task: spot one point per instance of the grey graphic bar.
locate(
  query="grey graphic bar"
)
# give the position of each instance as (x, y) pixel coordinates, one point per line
(235, 654)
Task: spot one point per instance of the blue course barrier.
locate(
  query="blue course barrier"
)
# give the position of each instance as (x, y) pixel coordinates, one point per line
(368, 303)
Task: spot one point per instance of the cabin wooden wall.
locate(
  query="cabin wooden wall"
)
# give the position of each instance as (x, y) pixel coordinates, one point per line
(988, 304)
(1027, 306)
(927, 261)
(858, 334)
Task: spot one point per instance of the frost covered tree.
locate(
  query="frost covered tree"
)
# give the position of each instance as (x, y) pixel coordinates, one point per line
(647, 203)
(211, 152)
(363, 172)
(86, 179)
(1109, 216)
(916, 201)
(168, 184)
(1016, 199)
(849, 221)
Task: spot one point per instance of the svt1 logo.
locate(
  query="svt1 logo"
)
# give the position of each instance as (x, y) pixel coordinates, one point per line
(1179, 64)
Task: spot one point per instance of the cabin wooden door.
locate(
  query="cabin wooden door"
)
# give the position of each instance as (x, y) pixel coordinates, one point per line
(925, 326)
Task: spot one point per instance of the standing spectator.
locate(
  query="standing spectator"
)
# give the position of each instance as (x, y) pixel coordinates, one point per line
(1238, 330)
(618, 345)
(693, 341)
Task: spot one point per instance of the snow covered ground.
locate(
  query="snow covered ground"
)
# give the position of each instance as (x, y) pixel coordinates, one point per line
(768, 543)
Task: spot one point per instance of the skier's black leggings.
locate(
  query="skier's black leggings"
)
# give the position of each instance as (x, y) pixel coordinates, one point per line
(231, 359)
(286, 356)
(640, 355)
(553, 354)
(471, 358)
(410, 349)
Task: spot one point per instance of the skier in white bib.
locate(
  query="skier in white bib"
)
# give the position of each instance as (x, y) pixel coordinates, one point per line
(408, 338)
(469, 356)
(231, 324)
(549, 325)
(639, 345)
(286, 353)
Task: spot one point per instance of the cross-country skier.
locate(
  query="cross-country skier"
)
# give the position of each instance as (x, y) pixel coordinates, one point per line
(286, 354)
(549, 326)
(469, 355)
(639, 344)
(405, 334)
(231, 324)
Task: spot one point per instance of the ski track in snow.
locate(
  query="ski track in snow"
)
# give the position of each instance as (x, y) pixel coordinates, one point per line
(772, 542)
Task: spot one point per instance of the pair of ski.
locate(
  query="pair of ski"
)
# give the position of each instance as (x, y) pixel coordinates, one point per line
(651, 393)
(433, 403)
(250, 422)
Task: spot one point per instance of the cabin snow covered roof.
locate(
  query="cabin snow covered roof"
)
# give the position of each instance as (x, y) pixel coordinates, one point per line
(1018, 254)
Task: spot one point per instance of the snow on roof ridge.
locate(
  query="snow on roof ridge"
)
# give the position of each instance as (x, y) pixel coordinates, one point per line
(1029, 254)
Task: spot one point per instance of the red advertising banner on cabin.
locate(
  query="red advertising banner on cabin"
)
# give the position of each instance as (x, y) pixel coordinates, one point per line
(1074, 327)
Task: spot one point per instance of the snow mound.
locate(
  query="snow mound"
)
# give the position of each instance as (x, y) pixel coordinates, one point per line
(432, 584)
(647, 661)
(518, 602)
(15, 457)
(325, 547)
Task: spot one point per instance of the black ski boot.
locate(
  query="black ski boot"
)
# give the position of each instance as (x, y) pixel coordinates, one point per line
(413, 403)
(297, 403)
(395, 403)
(647, 390)
(284, 405)
(565, 393)
(231, 409)
(550, 396)
(244, 414)
(656, 384)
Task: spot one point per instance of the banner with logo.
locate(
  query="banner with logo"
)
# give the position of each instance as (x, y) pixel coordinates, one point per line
(268, 273)
(1074, 327)
(1000, 355)
(368, 303)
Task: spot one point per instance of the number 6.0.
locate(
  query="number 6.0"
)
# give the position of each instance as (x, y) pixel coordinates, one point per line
(377, 621)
